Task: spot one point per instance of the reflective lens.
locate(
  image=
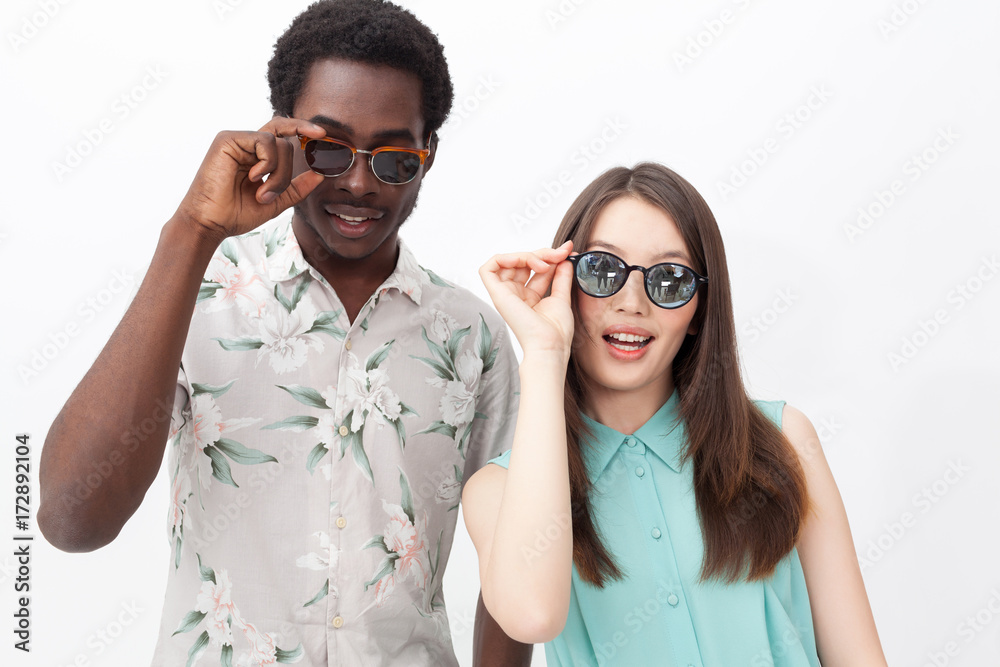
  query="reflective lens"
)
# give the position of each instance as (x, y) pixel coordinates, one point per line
(328, 158)
(395, 166)
(668, 285)
(600, 273)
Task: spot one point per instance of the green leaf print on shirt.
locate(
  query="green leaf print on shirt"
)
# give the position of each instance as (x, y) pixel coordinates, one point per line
(209, 432)
(459, 374)
(366, 393)
(216, 608)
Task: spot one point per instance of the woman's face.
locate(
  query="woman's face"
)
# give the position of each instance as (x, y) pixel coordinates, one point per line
(639, 368)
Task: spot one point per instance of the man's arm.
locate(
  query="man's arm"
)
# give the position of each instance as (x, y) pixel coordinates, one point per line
(491, 647)
(130, 388)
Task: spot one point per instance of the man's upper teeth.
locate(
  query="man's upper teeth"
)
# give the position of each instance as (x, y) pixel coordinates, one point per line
(629, 338)
(350, 218)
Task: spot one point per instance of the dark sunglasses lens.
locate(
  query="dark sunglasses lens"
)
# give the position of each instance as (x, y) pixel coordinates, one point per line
(328, 159)
(395, 166)
(669, 285)
(600, 274)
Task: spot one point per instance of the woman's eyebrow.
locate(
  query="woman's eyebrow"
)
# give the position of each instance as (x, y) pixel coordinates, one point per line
(665, 255)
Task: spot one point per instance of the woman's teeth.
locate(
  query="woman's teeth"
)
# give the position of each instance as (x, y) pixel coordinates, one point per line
(627, 342)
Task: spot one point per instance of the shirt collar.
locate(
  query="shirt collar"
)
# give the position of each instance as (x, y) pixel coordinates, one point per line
(285, 261)
(663, 434)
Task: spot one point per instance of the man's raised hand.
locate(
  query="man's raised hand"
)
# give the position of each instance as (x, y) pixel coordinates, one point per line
(229, 197)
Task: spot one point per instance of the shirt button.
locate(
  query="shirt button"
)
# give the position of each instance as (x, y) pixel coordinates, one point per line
(639, 472)
(342, 431)
(337, 621)
(630, 441)
(673, 600)
(655, 533)
(341, 522)
(347, 345)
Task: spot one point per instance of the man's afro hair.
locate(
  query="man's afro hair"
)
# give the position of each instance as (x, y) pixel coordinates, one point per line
(366, 31)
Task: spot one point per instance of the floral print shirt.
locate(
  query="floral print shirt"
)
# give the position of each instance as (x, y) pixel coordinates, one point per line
(316, 464)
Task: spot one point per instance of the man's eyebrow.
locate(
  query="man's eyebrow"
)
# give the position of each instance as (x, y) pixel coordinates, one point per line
(382, 135)
(659, 257)
(320, 119)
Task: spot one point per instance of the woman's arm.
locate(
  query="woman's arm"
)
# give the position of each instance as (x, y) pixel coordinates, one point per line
(842, 617)
(519, 518)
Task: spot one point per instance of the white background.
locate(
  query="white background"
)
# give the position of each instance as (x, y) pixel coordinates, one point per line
(535, 83)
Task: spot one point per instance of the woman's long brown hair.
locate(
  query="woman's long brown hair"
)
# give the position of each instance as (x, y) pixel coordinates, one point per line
(749, 486)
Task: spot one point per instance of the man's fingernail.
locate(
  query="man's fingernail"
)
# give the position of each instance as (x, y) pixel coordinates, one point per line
(268, 197)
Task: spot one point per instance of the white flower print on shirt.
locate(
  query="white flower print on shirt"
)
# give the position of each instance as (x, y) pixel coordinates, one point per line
(442, 326)
(287, 334)
(180, 492)
(460, 375)
(403, 542)
(450, 490)
(365, 393)
(215, 607)
(232, 282)
(321, 562)
(211, 434)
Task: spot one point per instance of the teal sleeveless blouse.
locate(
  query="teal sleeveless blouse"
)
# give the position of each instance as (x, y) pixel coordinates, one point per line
(643, 505)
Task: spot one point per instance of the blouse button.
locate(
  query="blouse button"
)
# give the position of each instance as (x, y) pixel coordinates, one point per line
(673, 600)
(655, 533)
(347, 344)
(342, 431)
(337, 621)
(630, 441)
(639, 472)
(341, 522)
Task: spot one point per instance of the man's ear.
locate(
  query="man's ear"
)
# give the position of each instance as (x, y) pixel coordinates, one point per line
(432, 144)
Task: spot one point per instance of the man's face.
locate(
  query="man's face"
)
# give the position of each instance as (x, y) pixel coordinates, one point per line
(355, 216)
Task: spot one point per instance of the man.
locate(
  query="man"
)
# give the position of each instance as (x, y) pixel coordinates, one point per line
(332, 395)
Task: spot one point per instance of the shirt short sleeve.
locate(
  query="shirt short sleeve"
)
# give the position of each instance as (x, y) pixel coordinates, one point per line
(503, 460)
(493, 431)
(772, 410)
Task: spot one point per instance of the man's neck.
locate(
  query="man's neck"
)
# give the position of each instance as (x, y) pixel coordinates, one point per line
(354, 280)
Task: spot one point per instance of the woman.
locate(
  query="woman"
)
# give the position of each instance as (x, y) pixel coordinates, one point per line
(650, 513)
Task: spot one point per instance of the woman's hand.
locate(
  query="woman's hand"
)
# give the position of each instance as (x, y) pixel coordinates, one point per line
(541, 323)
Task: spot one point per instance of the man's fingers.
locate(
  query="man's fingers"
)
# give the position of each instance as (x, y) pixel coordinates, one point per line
(297, 190)
(280, 126)
(280, 174)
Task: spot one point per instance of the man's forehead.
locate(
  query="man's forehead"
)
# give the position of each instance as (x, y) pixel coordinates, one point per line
(362, 99)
